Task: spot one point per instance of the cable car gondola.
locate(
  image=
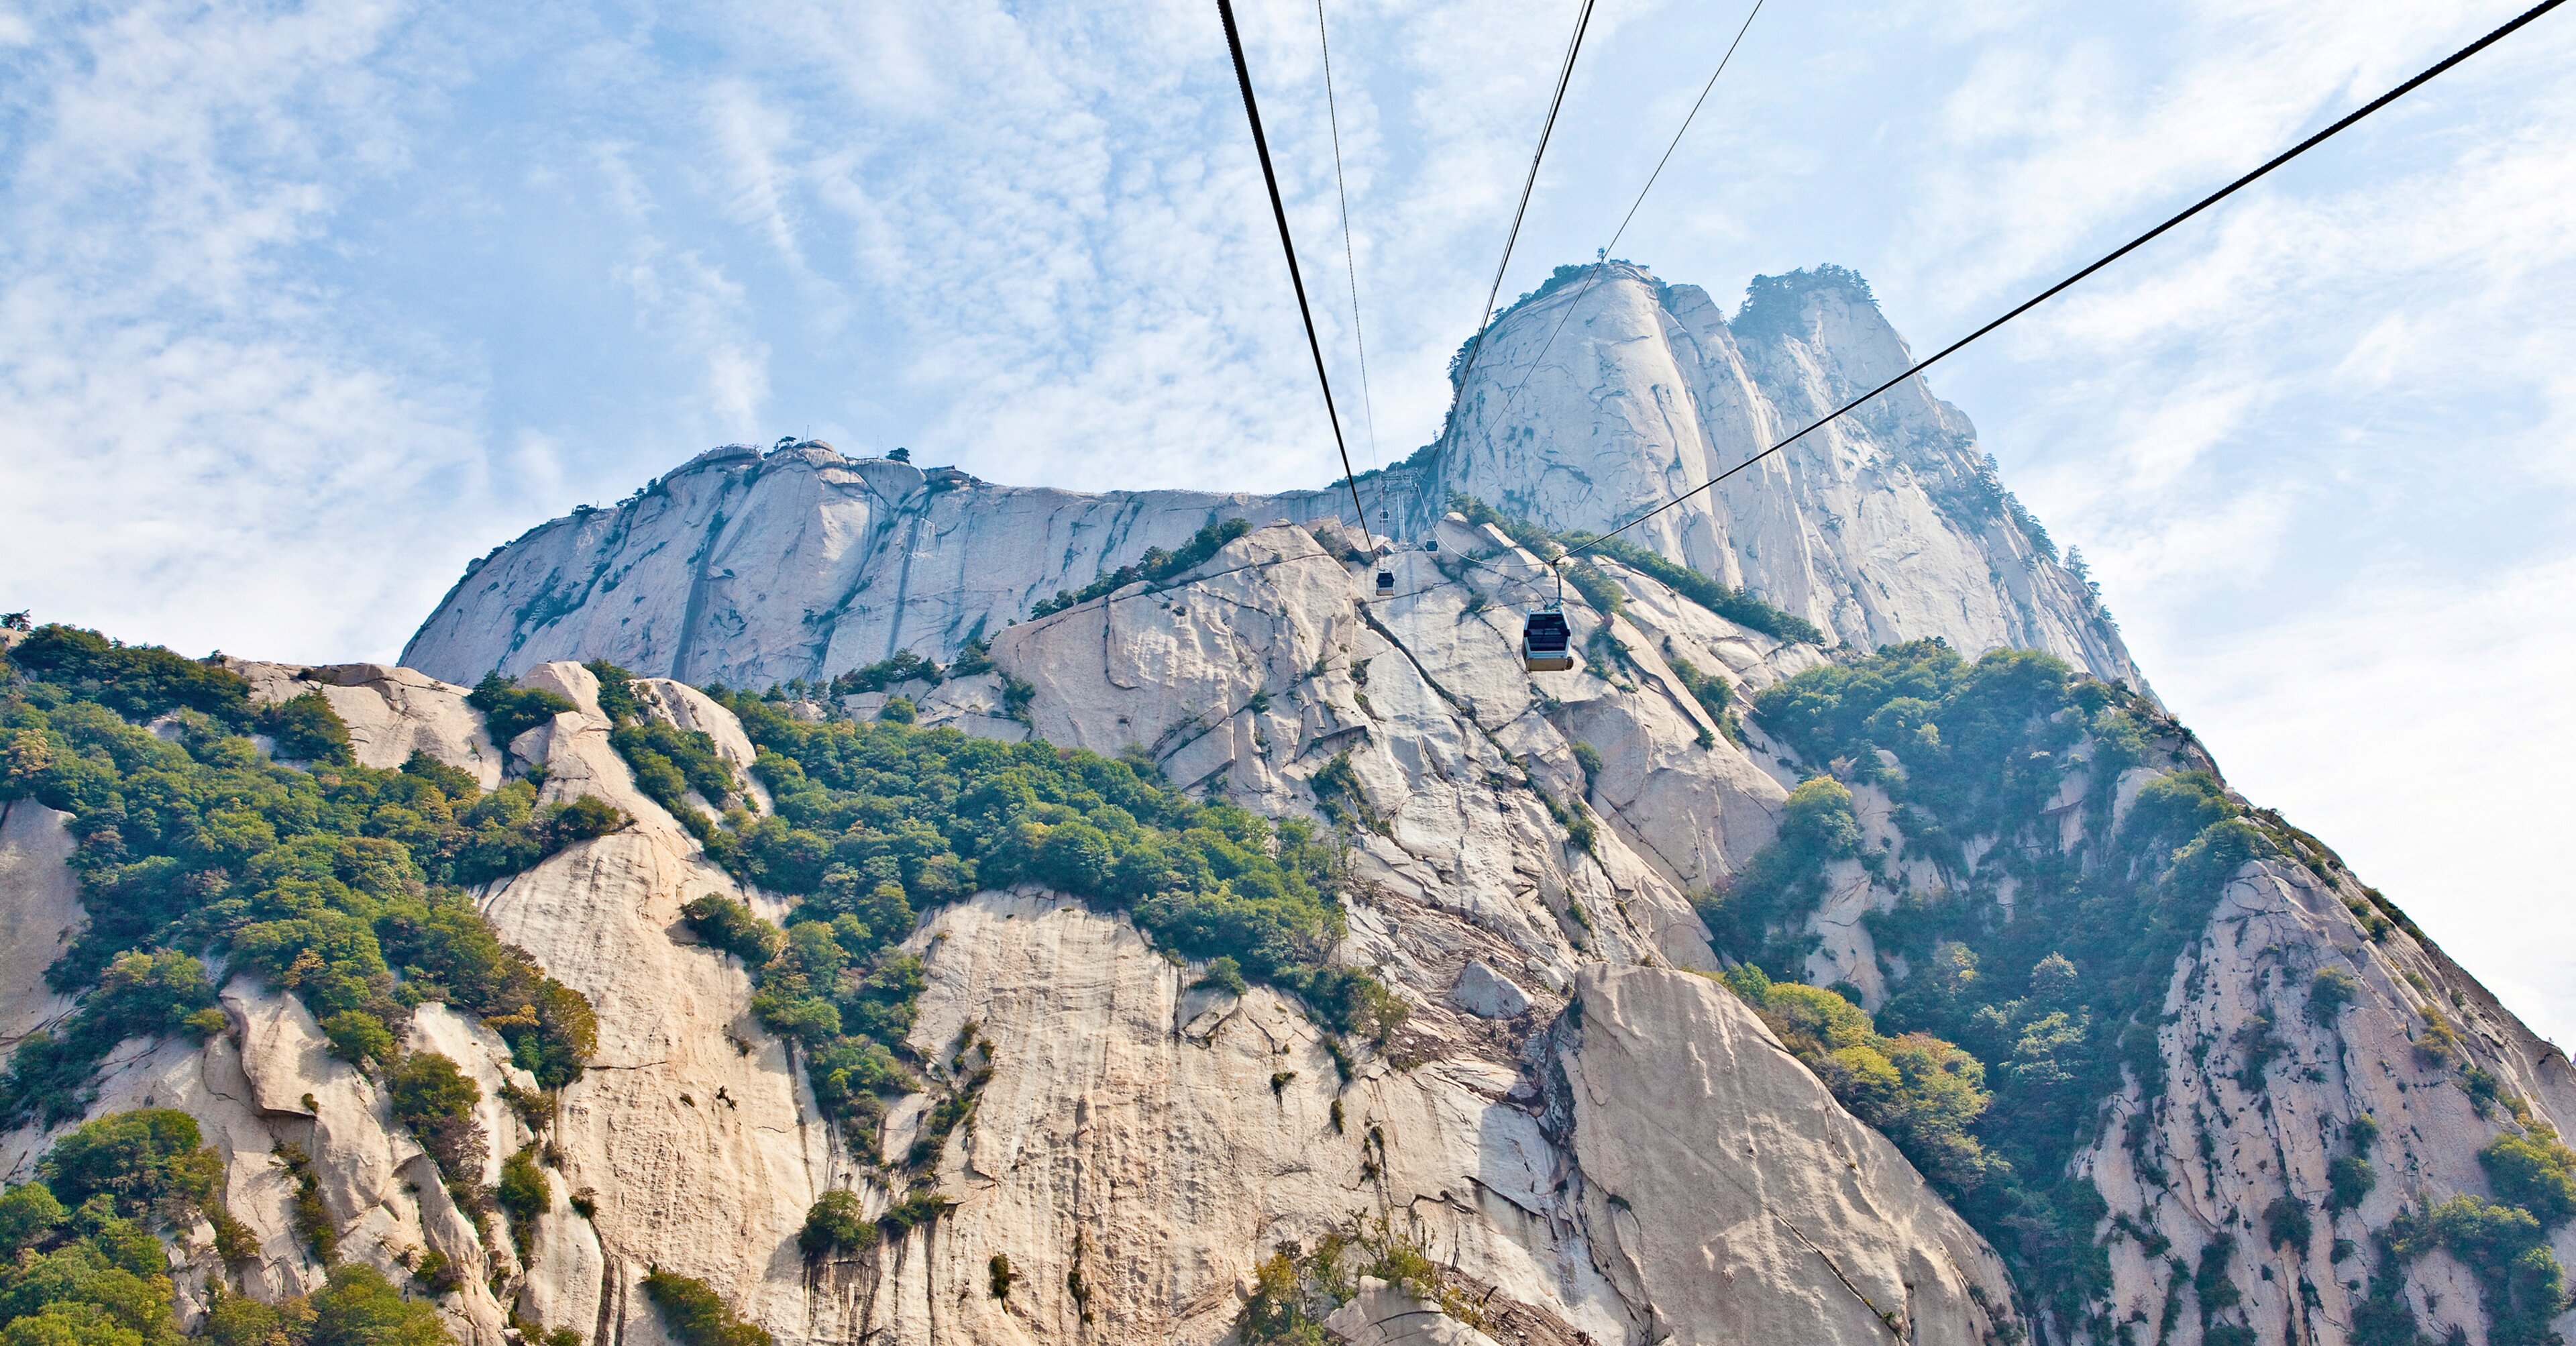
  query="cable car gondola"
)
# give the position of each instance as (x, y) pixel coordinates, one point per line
(1386, 584)
(1546, 641)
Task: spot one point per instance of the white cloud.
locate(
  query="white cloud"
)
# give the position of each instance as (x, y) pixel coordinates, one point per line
(684, 296)
(189, 449)
(2423, 730)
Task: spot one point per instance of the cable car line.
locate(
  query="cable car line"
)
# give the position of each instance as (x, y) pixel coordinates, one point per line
(1350, 261)
(2114, 255)
(1595, 273)
(1564, 76)
(1279, 211)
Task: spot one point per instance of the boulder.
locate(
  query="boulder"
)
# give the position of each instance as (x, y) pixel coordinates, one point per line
(1487, 994)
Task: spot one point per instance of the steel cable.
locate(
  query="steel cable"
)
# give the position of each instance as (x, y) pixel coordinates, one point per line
(2114, 255)
(1279, 211)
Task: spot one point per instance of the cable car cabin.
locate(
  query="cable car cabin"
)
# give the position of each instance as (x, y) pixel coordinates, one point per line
(1546, 642)
(1386, 584)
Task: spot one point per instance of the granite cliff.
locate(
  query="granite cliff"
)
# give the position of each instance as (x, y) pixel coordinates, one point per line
(749, 568)
(2110, 1054)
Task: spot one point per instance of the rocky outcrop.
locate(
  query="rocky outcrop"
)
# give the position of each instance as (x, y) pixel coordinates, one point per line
(2266, 1083)
(1609, 393)
(44, 914)
(1178, 1163)
(691, 1137)
(1582, 1135)
(391, 713)
(1599, 398)
(1157, 1137)
(749, 569)
(1733, 1199)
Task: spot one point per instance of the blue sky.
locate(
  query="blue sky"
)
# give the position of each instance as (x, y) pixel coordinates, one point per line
(302, 307)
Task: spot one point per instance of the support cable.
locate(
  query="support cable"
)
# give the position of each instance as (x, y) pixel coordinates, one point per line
(1350, 261)
(2114, 255)
(1622, 231)
(1564, 76)
(1279, 211)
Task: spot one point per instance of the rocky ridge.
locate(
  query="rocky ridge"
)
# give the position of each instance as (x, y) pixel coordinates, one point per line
(1628, 1153)
(1591, 403)
(1136, 1129)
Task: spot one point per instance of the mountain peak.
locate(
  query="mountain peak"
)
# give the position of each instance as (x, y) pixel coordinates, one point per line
(1599, 397)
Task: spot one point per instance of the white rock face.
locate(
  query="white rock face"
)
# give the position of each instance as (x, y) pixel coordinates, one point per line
(2272, 1132)
(391, 713)
(694, 1140)
(1162, 1140)
(1382, 1315)
(1590, 1140)
(1731, 1193)
(270, 1081)
(750, 569)
(44, 914)
(1133, 1131)
(1487, 994)
(1593, 403)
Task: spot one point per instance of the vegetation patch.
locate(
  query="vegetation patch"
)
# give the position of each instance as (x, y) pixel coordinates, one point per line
(1756, 913)
(341, 884)
(668, 762)
(312, 1217)
(904, 667)
(1740, 606)
(2062, 998)
(436, 1101)
(1155, 567)
(82, 1262)
(1294, 1290)
(698, 1316)
(2533, 1170)
(524, 1194)
(356, 1307)
(509, 710)
(836, 1223)
(876, 823)
(1924, 1093)
(2520, 1284)
(1341, 797)
(1714, 694)
(2056, 1001)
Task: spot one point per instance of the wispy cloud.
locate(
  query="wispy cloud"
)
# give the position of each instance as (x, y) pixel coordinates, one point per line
(302, 307)
(2421, 732)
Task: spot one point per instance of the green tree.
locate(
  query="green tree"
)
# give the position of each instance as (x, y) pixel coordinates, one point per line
(437, 1101)
(2532, 1170)
(359, 1307)
(836, 1223)
(698, 1316)
(147, 1162)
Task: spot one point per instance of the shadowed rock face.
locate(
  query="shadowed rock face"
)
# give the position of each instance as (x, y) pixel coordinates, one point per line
(1589, 405)
(1608, 394)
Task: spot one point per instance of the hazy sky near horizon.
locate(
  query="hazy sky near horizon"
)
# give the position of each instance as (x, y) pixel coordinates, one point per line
(301, 307)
